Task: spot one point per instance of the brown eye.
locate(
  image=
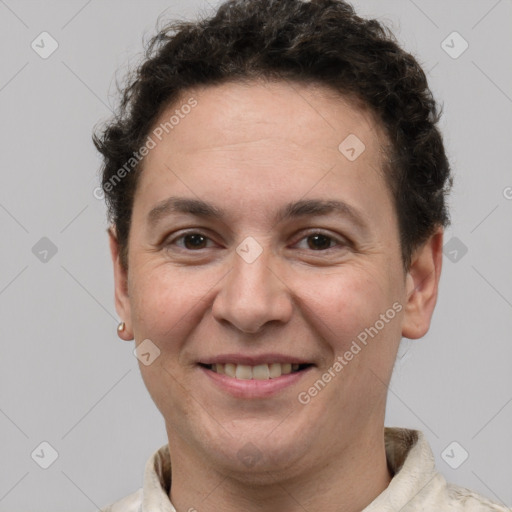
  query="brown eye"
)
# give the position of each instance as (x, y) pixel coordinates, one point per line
(195, 241)
(319, 242)
(189, 241)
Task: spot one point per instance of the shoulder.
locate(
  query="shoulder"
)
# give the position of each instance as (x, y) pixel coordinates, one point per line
(464, 500)
(130, 503)
(418, 485)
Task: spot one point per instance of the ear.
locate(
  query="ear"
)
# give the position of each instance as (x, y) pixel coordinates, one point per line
(121, 287)
(422, 282)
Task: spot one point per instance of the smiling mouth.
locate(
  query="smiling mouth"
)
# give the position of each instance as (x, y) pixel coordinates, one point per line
(258, 372)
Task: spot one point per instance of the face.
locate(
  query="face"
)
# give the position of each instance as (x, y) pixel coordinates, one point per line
(264, 242)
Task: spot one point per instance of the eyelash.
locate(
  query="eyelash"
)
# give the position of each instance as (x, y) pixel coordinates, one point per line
(341, 243)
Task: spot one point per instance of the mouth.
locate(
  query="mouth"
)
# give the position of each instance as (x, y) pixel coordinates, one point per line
(257, 372)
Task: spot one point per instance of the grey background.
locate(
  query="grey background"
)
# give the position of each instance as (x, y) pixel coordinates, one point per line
(66, 378)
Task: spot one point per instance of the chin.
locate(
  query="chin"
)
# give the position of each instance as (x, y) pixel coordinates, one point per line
(256, 456)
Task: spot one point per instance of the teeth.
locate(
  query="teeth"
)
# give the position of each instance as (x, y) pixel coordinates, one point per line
(258, 372)
(275, 370)
(229, 369)
(286, 368)
(243, 372)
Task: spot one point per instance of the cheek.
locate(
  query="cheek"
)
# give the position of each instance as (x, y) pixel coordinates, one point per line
(163, 301)
(340, 306)
(165, 306)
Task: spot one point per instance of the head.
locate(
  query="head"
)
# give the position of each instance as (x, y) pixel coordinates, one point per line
(276, 188)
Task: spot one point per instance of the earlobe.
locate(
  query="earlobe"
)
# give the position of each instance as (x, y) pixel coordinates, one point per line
(122, 302)
(422, 282)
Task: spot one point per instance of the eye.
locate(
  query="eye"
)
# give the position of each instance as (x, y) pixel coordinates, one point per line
(191, 241)
(318, 241)
(315, 240)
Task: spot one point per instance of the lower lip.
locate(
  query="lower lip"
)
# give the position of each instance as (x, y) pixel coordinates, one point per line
(253, 388)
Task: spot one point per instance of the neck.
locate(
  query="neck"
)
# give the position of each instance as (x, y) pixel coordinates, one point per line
(347, 481)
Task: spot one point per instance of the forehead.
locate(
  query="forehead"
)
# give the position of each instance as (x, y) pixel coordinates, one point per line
(237, 112)
(262, 133)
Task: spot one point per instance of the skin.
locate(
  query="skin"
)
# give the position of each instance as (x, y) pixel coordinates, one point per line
(251, 148)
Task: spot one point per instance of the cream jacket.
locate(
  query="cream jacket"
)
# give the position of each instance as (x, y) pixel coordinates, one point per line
(416, 485)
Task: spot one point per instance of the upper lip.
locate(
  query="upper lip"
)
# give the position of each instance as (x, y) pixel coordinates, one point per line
(253, 360)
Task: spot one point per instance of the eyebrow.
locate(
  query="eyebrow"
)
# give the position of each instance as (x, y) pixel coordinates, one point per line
(304, 207)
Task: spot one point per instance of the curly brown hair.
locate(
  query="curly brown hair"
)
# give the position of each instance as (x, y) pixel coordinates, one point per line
(322, 42)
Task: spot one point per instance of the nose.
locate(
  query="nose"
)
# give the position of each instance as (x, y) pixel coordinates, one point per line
(253, 294)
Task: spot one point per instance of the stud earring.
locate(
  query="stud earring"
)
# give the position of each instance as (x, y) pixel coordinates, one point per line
(120, 328)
